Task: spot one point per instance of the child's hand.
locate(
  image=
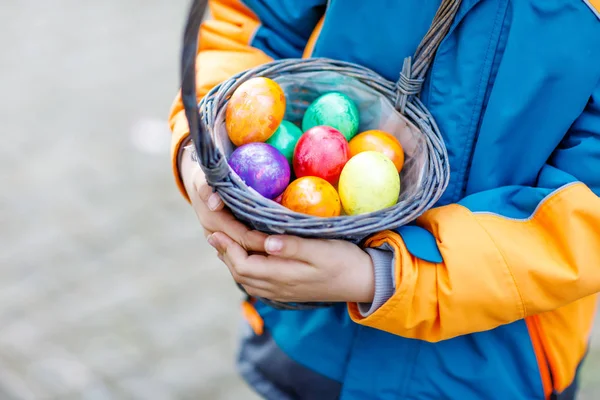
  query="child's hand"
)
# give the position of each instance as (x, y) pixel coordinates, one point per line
(300, 270)
(209, 208)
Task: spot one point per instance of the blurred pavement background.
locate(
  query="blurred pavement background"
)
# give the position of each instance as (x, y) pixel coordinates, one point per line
(107, 289)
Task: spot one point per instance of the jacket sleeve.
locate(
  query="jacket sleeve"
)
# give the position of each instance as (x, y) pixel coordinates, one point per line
(239, 36)
(472, 269)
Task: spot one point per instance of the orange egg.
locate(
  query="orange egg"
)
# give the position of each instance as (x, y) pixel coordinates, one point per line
(254, 111)
(313, 196)
(383, 142)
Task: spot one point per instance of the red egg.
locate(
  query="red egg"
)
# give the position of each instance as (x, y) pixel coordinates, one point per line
(322, 151)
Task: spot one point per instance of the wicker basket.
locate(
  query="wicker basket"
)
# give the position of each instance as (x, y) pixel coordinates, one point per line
(206, 120)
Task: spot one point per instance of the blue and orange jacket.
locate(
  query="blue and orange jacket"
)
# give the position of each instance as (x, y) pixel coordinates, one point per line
(496, 286)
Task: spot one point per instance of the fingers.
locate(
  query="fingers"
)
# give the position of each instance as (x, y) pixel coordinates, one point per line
(202, 188)
(250, 240)
(244, 270)
(242, 264)
(293, 247)
(274, 277)
(226, 246)
(249, 267)
(193, 177)
(192, 172)
(205, 192)
(224, 221)
(210, 211)
(215, 203)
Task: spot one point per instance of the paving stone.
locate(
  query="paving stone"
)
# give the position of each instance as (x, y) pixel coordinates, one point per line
(107, 288)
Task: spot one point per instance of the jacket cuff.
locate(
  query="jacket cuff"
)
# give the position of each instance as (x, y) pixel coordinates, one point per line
(383, 263)
(387, 260)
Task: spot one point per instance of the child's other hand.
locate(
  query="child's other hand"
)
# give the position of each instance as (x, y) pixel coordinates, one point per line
(210, 209)
(300, 270)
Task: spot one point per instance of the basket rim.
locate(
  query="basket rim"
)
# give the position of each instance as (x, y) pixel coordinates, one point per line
(373, 80)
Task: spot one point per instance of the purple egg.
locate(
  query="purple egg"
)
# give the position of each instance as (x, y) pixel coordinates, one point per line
(262, 167)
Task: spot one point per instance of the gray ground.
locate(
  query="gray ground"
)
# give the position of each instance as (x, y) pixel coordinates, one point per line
(107, 290)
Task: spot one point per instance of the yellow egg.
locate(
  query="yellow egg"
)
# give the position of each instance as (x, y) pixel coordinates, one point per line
(369, 182)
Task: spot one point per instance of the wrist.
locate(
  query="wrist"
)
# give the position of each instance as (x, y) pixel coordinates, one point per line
(362, 279)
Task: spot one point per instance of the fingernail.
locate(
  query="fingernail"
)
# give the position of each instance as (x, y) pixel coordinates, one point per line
(273, 245)
(213, 201)
(211, 240)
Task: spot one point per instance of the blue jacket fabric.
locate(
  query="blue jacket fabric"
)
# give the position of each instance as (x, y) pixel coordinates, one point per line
(512, 82)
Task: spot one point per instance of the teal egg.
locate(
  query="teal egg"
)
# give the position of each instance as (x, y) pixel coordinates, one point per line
(285, 138)
(335, 110)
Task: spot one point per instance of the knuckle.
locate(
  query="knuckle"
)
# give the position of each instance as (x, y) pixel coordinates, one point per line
(242, 269)
(253, 240)
(246, 240)
(236, 277)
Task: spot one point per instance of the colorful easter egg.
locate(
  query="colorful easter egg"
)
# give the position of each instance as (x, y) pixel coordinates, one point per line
(369, 182)
(333, 109)
(254, 111)
(383, 142)
(285, 138)
(322, 151)
(261, 167)
(312, 195)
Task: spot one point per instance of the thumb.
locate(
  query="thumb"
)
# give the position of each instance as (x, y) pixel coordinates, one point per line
(205, 192)
(195, 181)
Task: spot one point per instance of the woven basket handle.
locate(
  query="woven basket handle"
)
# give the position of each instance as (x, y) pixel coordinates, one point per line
(409, 84)
(213, 163)
(414, 69)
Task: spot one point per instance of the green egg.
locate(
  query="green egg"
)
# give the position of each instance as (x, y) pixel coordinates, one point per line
(333, 109)
(285, 138)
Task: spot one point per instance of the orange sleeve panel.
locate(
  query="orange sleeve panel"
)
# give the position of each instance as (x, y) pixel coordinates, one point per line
(560, 339)
(224, 51)
(495, 270)
(240, 36)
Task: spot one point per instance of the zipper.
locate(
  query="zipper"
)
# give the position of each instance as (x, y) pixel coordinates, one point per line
(471, 125)
(463, 10)
(499, 26)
